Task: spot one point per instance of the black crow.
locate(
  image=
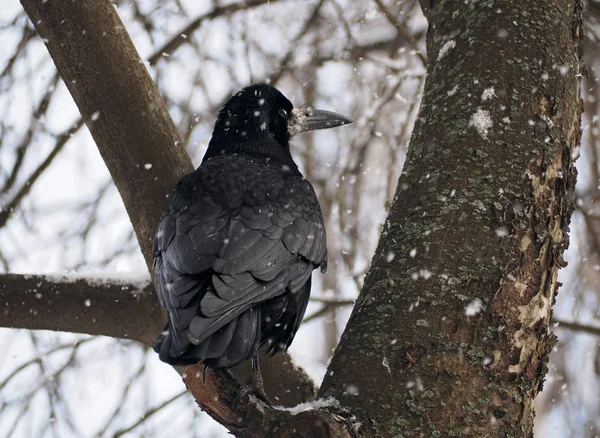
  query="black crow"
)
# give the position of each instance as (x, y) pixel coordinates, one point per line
(234, 254)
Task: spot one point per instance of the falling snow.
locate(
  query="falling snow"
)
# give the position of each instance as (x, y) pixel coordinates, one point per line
(425, 274)
(481, 121)
(351, 389)
(563, 69)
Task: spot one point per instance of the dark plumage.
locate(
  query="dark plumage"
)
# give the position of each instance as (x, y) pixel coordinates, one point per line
(234, 254)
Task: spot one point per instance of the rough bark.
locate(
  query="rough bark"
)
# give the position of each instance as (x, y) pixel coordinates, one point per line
(133, 130)
(252, 418)
(450, 336)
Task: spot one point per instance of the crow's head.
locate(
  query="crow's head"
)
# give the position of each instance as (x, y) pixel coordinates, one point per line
(259, 120)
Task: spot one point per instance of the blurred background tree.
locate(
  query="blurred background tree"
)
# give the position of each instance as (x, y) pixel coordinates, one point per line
(62, 214)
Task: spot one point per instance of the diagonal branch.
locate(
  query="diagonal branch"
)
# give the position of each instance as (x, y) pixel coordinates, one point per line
(138, 142)
(119, 103)
(401, 29)
(182, 36)
(7, 209)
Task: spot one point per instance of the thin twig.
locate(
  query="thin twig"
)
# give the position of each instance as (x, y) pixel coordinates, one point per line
(148, 414)
(184, 34)
(401, 30)
(577, 327)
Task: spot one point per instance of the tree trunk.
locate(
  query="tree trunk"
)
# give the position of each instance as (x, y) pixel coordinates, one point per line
(450, 336)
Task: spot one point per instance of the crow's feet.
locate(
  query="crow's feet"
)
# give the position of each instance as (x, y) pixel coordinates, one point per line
(253, 386)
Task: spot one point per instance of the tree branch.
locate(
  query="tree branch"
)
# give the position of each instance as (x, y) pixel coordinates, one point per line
(116, 308)
(137, 140)
(120, 309)
(183, 35)
(401, 29)
(125, 309)
(119, 103)
(7, 209)
(577, 327)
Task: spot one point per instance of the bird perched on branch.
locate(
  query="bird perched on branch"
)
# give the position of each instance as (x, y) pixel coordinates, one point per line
(234, 254)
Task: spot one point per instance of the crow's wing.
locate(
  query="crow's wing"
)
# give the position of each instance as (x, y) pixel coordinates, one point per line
(232, 240)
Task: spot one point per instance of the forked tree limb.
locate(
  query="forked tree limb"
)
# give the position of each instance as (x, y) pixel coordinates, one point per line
(136, 138)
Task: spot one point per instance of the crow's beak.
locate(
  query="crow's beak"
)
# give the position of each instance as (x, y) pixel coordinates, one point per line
(308, 119)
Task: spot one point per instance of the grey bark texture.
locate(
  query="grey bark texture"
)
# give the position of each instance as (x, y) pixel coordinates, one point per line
(453, 318)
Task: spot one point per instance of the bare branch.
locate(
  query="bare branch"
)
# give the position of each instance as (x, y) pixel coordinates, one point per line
(122, 107)
(183, 35)
(149, 413)
(39, 112)
(116, 308)
(61, 141)
(402, 30)
(288, 56)
(577, 327)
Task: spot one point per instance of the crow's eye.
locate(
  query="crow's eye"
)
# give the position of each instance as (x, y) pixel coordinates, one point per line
(283, 114)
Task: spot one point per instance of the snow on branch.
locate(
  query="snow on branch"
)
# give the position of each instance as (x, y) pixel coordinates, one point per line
(116, 307)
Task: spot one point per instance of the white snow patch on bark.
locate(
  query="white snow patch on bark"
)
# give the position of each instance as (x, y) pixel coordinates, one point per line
(124, 280)
(321, 403)
(453, 91)
(488, 94)
(386, 363)
(448, 45)
(474, 307)
(482, 122)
